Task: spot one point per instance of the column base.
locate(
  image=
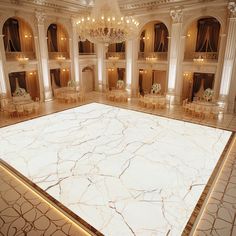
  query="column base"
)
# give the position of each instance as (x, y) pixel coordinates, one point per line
(174, 98)
(48, 96)
(223, 102)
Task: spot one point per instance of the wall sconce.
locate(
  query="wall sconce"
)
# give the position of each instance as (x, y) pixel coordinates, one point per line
(28, 36)
(188, 77)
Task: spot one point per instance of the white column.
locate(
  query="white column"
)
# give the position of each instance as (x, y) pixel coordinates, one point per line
(174, 54)
(222, 43)
(229, 56)
(4, 82)
(101, 66)
(131, 66)
(43, 55)
(74, 53)
(179, 71)
(40, 71)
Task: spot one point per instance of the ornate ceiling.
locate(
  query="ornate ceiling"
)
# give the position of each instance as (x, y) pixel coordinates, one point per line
(127, 6)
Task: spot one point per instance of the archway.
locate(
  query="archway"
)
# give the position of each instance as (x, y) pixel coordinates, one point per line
(88, 81)
(18, 37)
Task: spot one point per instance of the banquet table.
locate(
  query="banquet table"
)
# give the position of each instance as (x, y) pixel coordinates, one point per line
(117, 95)
(153, 100)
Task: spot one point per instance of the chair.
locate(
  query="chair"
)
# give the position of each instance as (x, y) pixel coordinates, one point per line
(11, 111)
(36, 107)
(162, 103)
(141, 101)
(206, 112)
(28, 109)
(191, 108)
(4, 103)
(20, 110)
(82, 96)
(185, 106)
(215, 112)
(198, 111)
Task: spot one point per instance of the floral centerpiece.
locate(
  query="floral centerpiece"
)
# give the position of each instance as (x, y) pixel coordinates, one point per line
(71, 83)
(208, 94)
(120, 84)
(156, 88)
(19, 92)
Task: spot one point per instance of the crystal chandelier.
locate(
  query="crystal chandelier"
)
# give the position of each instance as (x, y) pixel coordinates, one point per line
(106, 25)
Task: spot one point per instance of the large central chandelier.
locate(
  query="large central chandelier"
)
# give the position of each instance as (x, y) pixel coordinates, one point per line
(106, 25)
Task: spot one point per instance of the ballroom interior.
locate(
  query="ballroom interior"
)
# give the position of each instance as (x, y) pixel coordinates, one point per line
(118, 117)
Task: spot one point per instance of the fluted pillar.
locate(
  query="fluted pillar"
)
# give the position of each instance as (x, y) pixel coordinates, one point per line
(74, 53)
(131, 66)
(101, 67)
(229, 56)
(4, 81)
(175, 51)
(43, 55)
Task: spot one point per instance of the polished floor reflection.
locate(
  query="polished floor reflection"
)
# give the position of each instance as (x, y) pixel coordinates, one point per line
(134, 173)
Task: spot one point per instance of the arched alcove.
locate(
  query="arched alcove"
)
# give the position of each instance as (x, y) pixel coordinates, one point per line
(153, 40)
(58, 42)
(88, 80)
(202, 39)
(18, 39)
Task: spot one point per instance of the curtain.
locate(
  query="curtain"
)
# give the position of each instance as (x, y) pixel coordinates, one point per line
(160, 38)
(120, 73)
(52, 38)
(55, 77)
(196, 83)
(142, 42)
(86, 47)
(12, 41)
(208, 81)
(81, 48)
(208, 35)
(21, 80)
(152, 77)
(120, 47)
(141, 83)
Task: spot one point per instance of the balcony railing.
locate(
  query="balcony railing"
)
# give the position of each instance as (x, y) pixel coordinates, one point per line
(159, 56)
(58, 55)
(86, 53)
(116, 55)
(14, 56)
(207, 56)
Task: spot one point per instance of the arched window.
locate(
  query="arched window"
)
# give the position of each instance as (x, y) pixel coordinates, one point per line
(120, 47)
(57, 39)
(142, 41)
(86, 47)
(160, 38)
(11, 34)
(208, 35)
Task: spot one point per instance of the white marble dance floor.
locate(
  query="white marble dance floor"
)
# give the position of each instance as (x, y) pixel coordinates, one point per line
(124, 172)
